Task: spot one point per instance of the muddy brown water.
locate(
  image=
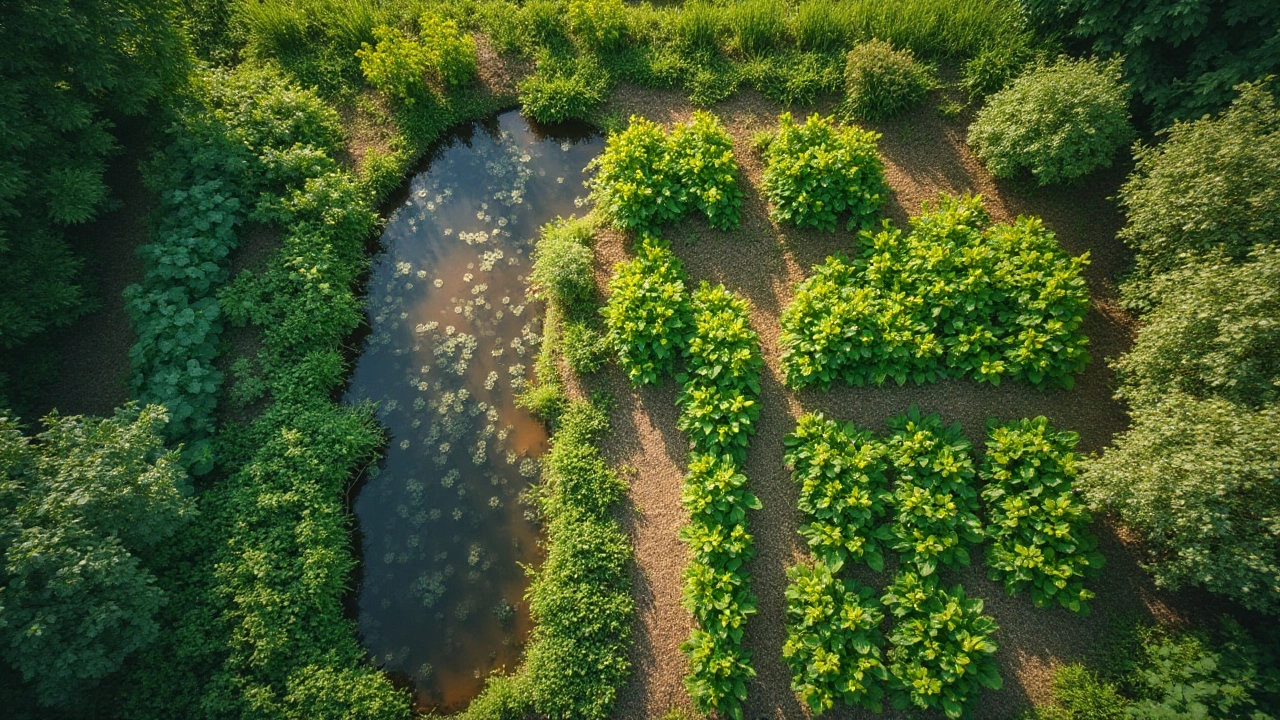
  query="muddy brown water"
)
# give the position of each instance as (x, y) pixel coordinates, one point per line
(453, 338)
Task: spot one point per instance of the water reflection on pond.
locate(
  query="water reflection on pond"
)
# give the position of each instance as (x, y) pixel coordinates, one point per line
(453, 340)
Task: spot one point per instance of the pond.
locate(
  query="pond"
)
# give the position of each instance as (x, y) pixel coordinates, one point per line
(453, 340)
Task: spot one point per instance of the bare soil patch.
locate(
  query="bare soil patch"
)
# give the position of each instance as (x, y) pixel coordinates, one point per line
(924, 154)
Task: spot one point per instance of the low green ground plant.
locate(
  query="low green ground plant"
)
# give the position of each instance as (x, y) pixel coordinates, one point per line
(1036, 525)
(819, 172)
(585, 349)
(833, 644)
(564, 88)
(935, 498)
(647, 315)
(844, 491)
(1056, 122)
(940, 652)
(957, 296)
(880, 81)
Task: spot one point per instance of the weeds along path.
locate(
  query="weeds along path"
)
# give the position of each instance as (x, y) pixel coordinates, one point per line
(924, 155)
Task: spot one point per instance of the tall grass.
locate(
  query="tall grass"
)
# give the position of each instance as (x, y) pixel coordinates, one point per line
(819, 27)
(292, 28)
(697, 25)
(757, 26)
(935, 28)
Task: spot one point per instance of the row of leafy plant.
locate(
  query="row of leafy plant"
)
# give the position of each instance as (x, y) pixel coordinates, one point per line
(957, 296)
(647, 177)
(915, 493)
(652, 322)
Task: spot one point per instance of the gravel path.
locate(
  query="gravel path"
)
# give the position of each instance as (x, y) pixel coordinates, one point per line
(924, 155)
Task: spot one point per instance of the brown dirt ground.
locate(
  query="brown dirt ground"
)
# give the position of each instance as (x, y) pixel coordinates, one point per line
(92, 354)
(925, 155)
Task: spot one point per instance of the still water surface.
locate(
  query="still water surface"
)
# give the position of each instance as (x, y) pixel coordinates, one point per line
(453, 340)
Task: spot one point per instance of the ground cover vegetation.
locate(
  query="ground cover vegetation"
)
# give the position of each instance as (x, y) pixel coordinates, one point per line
(1147, 672)
(1194, 474)
(790, 52)
(957, 296)
(647, 177)
(1058, 122)
(816, 173)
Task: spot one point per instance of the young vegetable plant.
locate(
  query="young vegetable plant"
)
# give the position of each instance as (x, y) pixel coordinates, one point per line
(843, 490)
(1037, 526)
(833, 640)
(702, 155)
(719, 404)
(716, 583)
(935, 502)
(940, 651)
(816, 172)
(647, 315)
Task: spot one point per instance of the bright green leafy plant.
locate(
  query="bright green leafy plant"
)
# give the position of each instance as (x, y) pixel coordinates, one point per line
(843, 490)
(817, 172)
(562, 263)
(647, 314)
(955, 297)
(1037, 526)
(721, 386)
(833, 640)
(1058, 122)
(940, 650)
(645, 177)
(935, 502)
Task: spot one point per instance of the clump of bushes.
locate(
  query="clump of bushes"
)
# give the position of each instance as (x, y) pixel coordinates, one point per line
(1059, 122)
(1037, 526)
(564, 88)
(81, 505)
(645, 178)
(912, 307)
(941, 654)
(647, 314)
(399, 65)
(833, 640)
(935, 500)
(880, 82)
(844, 491)
(1212, 186)
(563, 264)
(817, 172)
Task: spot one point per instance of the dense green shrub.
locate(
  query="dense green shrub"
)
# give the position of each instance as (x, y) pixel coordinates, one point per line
(645, 177)
(67, 67)
(935, 501)
(1196, 480)
(1182, 61)
(562, 264)
(940, 649)
(843, 490)
(1037, 527)
(451, 53)
(564, 88)
(701, 155)
(1059, 122)
(1213, 334)
(647, 314)
(955, 297)
(585, 349)
(398, 65)
(833, 640)
(880, 82)
(816, 172)
(635, 185)
(719, 401)
(1211, 185)
(79, 503)
(717, 588)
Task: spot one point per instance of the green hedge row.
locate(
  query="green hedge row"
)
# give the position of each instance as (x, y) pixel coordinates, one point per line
(957, 296)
